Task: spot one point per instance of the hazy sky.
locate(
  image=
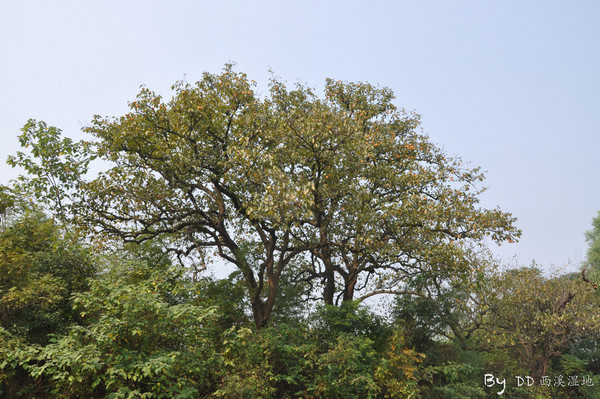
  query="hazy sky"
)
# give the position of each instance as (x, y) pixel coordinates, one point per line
(511, 86)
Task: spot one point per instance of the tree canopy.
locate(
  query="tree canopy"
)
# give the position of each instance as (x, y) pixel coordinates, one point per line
(342, 189)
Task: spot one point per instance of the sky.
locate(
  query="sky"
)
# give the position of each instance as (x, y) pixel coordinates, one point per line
(510, 86)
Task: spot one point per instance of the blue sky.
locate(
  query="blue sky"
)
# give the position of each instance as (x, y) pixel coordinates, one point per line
(511, 86)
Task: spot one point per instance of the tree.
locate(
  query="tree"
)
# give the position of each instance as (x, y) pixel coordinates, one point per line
(132, 341)
(7, 202)
(535, 317)
(40, 268)
(343, 189)
(593, 255)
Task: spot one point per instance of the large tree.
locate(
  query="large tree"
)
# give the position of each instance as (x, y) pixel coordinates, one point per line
(342, 188)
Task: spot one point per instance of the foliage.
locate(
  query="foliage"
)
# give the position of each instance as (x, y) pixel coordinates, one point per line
(227, 295)
(54, 170)
(133, 344)
(246, 371)
(148, 330)
(437, 328)
(398, 372)
(330, 358)
(40, 267)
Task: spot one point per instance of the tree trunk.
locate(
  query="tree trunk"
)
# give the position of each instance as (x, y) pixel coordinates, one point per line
(329, 274)
(261, 310)
(349, 287)
(539, 362)
(329, 290)
(260, 313)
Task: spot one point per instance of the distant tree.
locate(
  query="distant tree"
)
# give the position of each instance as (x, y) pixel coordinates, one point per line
(342, 189)
(7, 201)
(593, 254)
